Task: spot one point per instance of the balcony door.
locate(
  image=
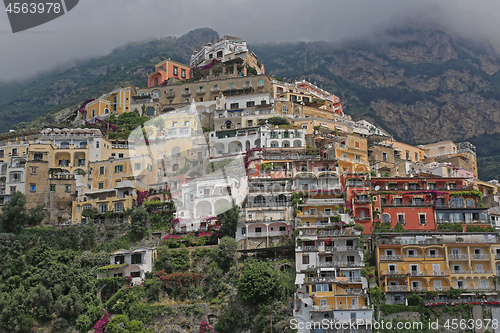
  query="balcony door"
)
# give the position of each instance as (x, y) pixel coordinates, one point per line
(436, 269)
(438, 285)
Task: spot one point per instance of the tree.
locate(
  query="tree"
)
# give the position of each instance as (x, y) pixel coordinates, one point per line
(256, 284)
(225, 254)
(14, 214)
(229, 221)
(69, 306)
(39, 299)
(139, 222)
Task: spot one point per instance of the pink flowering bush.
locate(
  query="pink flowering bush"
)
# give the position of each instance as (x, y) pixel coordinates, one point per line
(101, 324)
(172, 237)
(206, 328)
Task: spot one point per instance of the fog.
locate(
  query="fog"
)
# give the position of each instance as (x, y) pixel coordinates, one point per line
(95, 27)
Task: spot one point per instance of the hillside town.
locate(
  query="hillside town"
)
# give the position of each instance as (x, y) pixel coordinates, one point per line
(347, 206)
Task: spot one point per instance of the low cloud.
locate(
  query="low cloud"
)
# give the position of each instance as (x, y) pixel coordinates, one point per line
(95, 27)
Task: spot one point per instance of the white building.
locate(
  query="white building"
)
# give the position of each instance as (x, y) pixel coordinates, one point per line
(223, 49)
(134, 263)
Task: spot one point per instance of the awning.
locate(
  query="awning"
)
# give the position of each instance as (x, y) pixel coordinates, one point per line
(299, 278)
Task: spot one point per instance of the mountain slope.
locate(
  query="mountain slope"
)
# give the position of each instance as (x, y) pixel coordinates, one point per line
(127, 65)
(420, 85)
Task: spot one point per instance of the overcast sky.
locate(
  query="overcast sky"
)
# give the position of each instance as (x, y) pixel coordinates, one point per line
(95, 27)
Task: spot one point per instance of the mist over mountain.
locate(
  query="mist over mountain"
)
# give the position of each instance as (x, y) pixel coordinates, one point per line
(420, 84)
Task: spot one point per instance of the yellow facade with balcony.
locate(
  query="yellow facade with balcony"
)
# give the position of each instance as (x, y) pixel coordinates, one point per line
(117, 102)
(437, 263)
(351, 151)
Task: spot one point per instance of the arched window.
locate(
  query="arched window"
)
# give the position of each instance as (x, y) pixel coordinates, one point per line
(469, 203)
(386, 218)
(259, 200)
(457, 202)
(286, 144)
(92, 114)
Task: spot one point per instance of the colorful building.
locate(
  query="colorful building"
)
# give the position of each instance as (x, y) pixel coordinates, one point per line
(437, 262)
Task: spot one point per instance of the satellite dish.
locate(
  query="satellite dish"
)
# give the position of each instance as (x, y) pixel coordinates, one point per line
(377, 188)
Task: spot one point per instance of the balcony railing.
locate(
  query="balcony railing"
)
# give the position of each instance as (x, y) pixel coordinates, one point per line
(397, 288)
(430, 256)
(408, 204)
(340, 248)
(266, 234)
(481, 256)
(460, 271)
(327, 264)
(458, 256)
(414, 255)
(348, 291)
(391, 257)
(333, 279)
(357, 184)
(335, 307)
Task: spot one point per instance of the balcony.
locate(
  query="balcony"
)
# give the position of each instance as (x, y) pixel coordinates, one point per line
(348, 232)
(348, 264)
(215, 89)
(434, 256)
(325, 202)
(482, 272)
(348, 291)
(336, 307)
(339, 248)
(357, 184)
(200, 91)
(460, 271)
(308, 248)
(186, 93)
(458, 256)
(171, 94)
(418, 289)
(408, 204)
(266, 234)
(397, 288)
(391, 257)
(413, 256)
(484, 256)
(362, 201)
(428, 273)
(332, 279)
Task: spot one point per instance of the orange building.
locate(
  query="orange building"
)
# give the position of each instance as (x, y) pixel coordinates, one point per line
(422, 203)
(168, 69)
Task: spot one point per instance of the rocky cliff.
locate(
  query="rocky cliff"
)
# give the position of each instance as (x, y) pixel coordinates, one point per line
(423, 85)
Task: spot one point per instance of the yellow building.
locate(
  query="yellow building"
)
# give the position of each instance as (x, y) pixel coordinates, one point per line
(406, 152)
(103, 201)
(115, 102)
(351, 152)
(435, 262)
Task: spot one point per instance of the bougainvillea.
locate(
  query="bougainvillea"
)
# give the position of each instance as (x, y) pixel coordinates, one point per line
(178, 282)
(206, 328)
(101, 324)
(141, 196)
